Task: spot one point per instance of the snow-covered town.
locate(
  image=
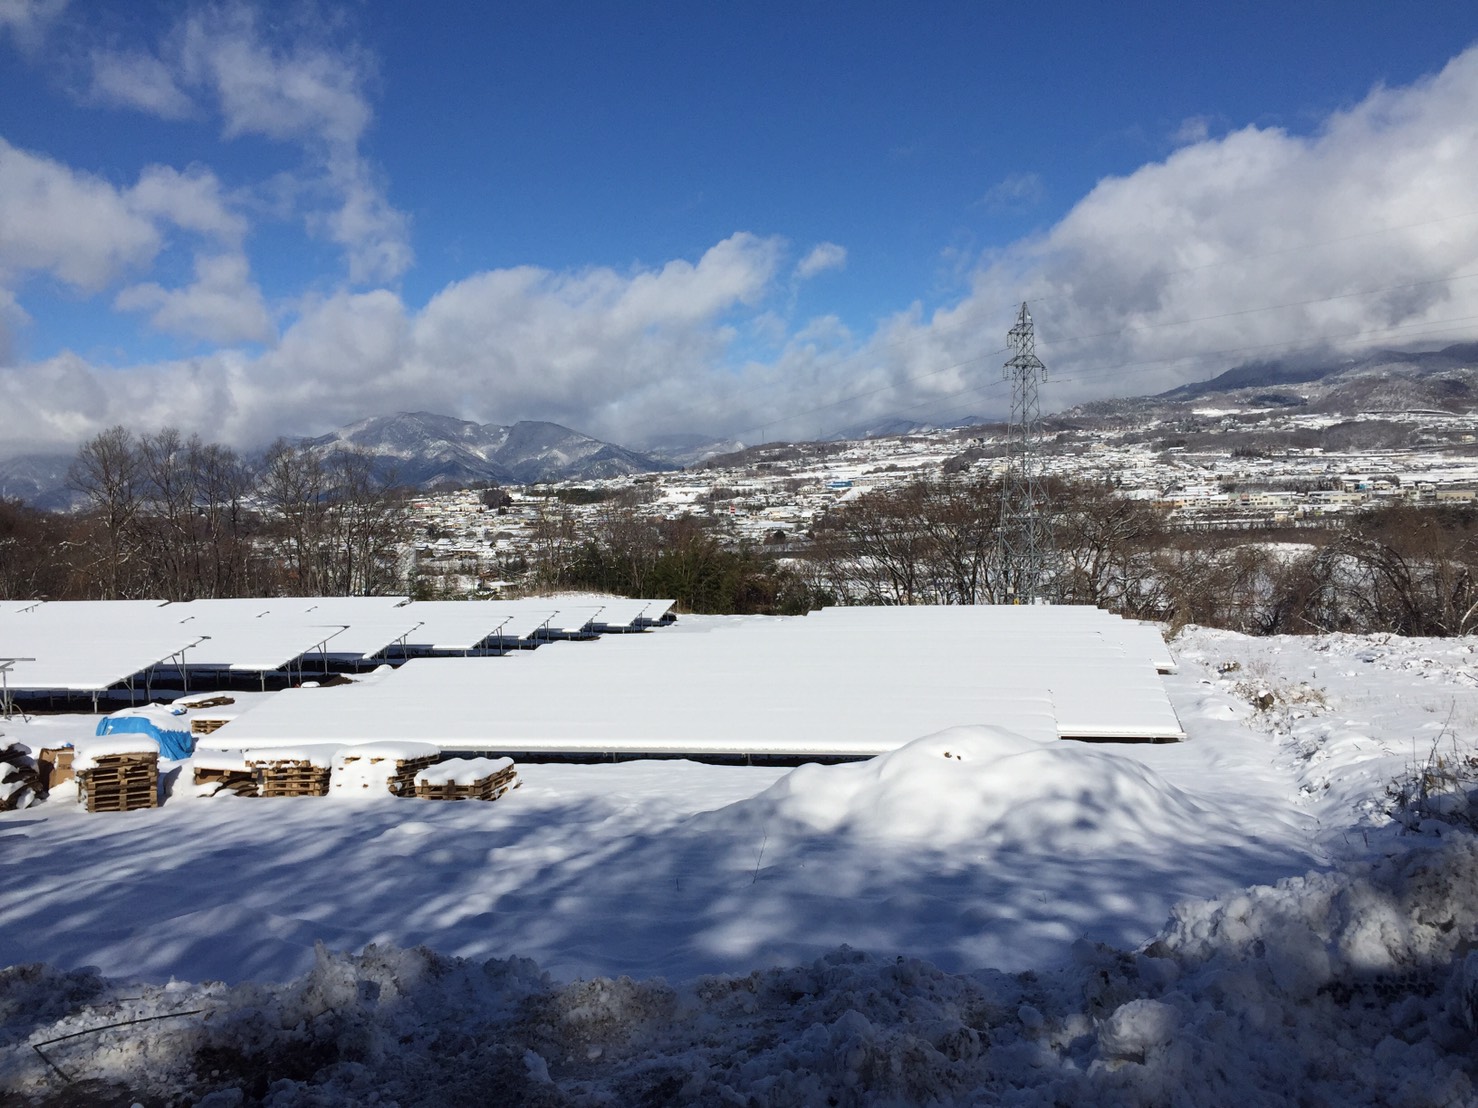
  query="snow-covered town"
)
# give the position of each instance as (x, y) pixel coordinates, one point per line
(473, 544)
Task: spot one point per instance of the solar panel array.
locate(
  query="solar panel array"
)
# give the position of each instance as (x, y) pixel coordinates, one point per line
(91, 646)
(845, 682)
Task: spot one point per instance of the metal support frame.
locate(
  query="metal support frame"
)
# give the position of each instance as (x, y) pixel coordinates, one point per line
(1024, 537)
(5, 667)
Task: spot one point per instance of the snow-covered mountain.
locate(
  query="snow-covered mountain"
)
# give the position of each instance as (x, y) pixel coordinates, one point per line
(37, 479)
(424, 450)
(1389, 381)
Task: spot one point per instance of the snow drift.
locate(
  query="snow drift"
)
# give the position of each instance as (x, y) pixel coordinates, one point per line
(1350, 987)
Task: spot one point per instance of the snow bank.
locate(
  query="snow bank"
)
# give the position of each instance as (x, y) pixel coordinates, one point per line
(1351, 987)
(982, 787)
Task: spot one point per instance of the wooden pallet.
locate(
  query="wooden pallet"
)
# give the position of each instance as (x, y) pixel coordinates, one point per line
(204, 725)
(120, 783)
(217, 701)
(406, 770)
(486, 788)
(290, 778)
(242, 782)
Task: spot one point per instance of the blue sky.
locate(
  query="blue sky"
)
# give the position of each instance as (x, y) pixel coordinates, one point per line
(758, 220)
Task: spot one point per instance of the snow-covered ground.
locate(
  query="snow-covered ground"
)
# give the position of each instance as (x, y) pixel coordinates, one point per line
(972, 918)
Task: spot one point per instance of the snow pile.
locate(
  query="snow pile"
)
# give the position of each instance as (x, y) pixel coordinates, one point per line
(319, 755)
(462, 771)
(232, 761)
(986, 788)
(368, 769)
(19, 783)
(1351, 987)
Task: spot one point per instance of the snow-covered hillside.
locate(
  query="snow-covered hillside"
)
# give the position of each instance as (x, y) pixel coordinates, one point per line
(972, 918)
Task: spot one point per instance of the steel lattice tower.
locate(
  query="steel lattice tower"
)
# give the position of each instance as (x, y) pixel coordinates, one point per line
(1024, 538)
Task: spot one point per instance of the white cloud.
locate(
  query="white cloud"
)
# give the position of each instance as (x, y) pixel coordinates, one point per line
(296, 90)
(1255, 244)
(82, 230)
(284, 82)
(1194, 129)
(221, 305)
(138, 81)
(824, 256)
(300, 92)
(192, 201)
(12, 318)
(374, 235)
(71, 225)
(1013, 192)
(1252, 243)
(29, 21)
(598, 349)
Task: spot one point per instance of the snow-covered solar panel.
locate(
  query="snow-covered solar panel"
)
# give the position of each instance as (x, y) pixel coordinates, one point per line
(1138, 638)
(620, 614)
(465, 624)
(256, 634)
(794, 687)
(88, 645)
(490, 704)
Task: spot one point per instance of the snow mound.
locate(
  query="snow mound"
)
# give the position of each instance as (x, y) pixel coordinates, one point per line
(985, 787)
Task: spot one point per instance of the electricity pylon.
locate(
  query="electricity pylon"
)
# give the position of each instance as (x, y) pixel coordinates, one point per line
(1024, 538)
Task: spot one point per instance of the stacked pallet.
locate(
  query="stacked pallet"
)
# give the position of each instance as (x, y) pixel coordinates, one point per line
(224, 771)
(117, 773)
(204, 725)
(20, 783)
(204, 700)
(467, 779)
(371, 769)
(293, 771)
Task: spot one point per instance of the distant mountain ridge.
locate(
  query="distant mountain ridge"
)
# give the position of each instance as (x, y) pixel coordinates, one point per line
(1389, 381)
(414, 449)
(39, 480)
(424, 450)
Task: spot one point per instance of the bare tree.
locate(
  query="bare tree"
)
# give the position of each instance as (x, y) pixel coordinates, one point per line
(108, 472)
(365, 526)
(292, 488)
(1106, 544)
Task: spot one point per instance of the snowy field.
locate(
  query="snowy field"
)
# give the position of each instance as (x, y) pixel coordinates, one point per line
(973, 918)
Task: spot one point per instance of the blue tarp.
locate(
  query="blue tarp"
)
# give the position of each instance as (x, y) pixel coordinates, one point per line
(172, 744)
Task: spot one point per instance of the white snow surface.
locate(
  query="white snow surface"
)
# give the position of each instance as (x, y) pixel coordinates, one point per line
(973, 918)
